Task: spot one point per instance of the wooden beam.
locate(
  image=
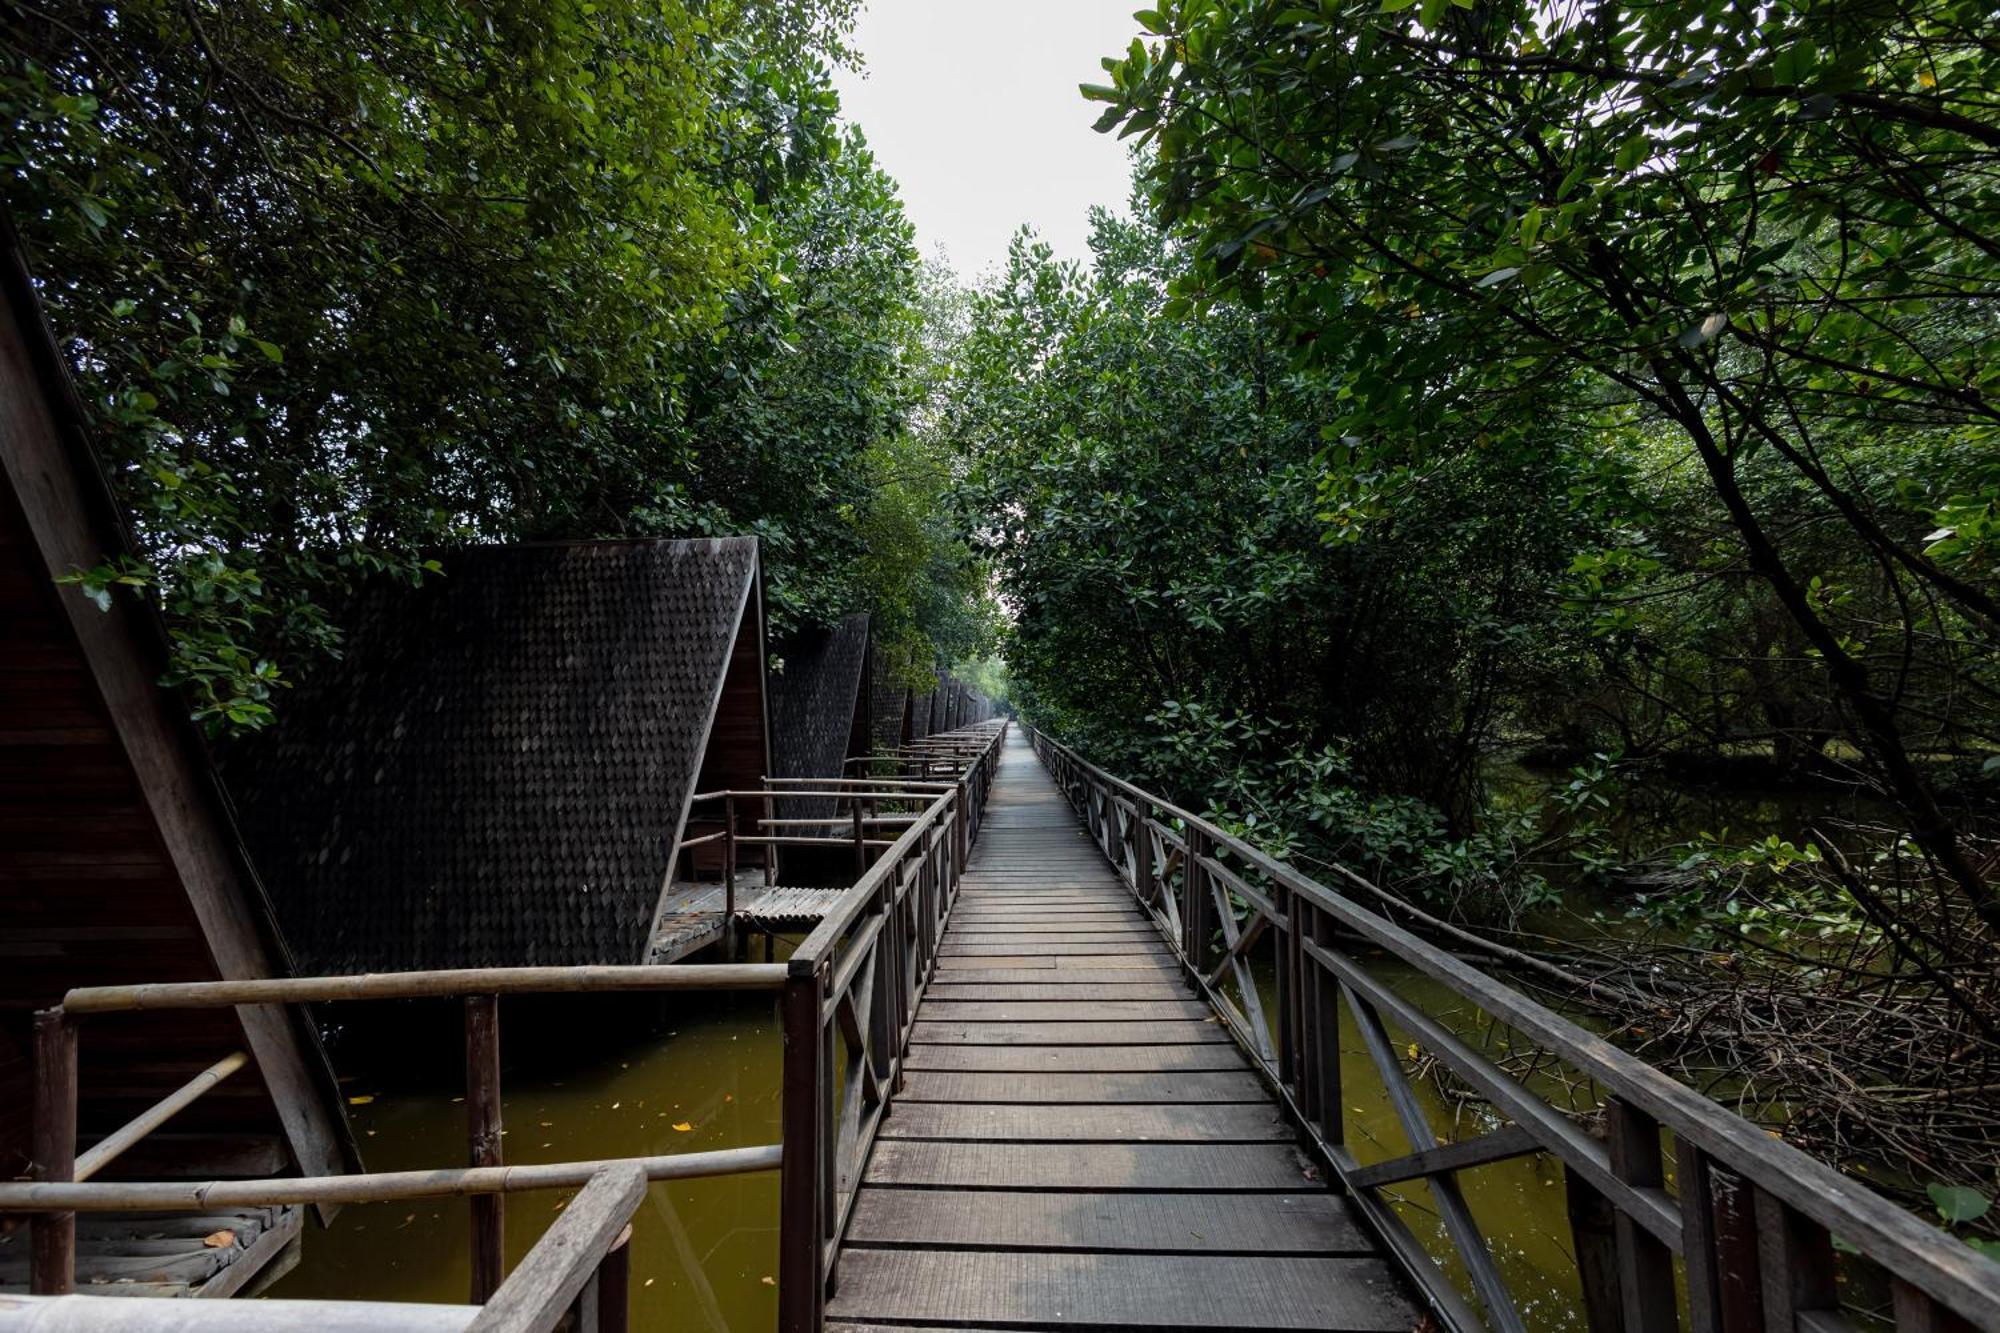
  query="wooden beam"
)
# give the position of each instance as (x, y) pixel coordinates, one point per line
(1503, 1143)
(554, 1272)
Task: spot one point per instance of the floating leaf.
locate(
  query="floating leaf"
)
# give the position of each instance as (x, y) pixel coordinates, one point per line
(361, 1100)
(683, 1127)
(1956, 1203)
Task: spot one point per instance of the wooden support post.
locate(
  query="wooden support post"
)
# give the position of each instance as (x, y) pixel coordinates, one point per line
(52, 1236)
(729, 877)
(860, 842)
(961, 833)
(1594, 1236)
(801, 1202)
(1796, 1256)
(1698, 1241)
(614, 1286)
(1195, 910)
(1645, 1264)
(483, 1141)
(1142, 861)
(1326, 1036)
(1738, 1269)
(770, 848)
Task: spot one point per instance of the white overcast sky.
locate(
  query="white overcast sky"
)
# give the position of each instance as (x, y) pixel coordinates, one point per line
(972, 106)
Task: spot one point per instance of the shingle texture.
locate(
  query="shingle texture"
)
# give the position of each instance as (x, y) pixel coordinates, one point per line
(495, 771)
(890, 705)
(812, 706)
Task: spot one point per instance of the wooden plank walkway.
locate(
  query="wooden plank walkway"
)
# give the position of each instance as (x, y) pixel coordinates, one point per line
(1078, 1144)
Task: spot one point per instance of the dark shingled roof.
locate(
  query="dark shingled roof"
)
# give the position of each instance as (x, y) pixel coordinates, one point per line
(496, 770)
(813, 704)
(890, 704)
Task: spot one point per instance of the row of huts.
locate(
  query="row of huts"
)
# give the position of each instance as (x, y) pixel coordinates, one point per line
(496, 772)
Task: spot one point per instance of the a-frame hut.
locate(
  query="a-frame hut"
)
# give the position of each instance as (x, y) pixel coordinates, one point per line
(891, 704)
(498, 768)
(821, 705)
(119, 864)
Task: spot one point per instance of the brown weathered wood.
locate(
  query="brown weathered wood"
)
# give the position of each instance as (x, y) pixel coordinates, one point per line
(556, 1269)
(1950, 1273)
(1645, 1264)
(1795, 1255)
(998, 1122)
(1143, 1290)
(801, 1207)
(1312, 1222)
(52, 1235)
(1698, 1239)
(1070, 1166)
(1594, 1237)
(417, 985)
(1166, 1032)
(1158, 1089)
(1503, 1143)
(368, 1187)
(1739, 1269)
(940, 1010)
(483, 1141)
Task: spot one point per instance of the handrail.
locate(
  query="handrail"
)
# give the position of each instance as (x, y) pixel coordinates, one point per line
(441, 983)
(848, 1010)
(858, 982)
(1735, 1181)
(371, 1186)
(571, 1256)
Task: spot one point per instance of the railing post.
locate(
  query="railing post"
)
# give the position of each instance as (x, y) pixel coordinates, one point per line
(52, 1236)
(1195, 913)
(1594, 1238)
(1326, 1038)
(1645, 1264)
(1142, 860)
(860, 840)
(962, 830)
(729, 876)
(614, 1285)
(1796, 1255)
(483, 1137)
(801, 1196)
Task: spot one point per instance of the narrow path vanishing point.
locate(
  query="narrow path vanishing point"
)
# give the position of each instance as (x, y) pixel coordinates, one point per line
(1078, 1143)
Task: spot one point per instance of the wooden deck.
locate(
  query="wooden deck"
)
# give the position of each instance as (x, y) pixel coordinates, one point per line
(1078, 1143)
(692, 918)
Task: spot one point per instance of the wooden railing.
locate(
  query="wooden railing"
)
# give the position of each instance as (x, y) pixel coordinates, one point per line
(850, 1000)
(575, 1277)
(1739, 1236)
(847, 996)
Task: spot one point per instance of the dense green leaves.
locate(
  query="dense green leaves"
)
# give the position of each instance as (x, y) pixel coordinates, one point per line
(347, 285)
(1761, 240)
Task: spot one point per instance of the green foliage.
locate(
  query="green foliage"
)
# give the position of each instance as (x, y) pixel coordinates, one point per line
(348, 285)
(1750, 252)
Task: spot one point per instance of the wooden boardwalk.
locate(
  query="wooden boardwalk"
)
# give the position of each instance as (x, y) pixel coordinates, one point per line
(1078, 1143)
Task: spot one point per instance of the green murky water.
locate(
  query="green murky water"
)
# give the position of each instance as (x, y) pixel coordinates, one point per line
(612, 1077)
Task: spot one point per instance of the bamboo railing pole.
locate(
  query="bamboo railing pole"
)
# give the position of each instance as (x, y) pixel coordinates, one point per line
(377, 1187)
(107, 1151)
(419, 985)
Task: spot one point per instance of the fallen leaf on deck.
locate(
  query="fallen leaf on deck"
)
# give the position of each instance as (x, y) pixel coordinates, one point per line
(219, 1240)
